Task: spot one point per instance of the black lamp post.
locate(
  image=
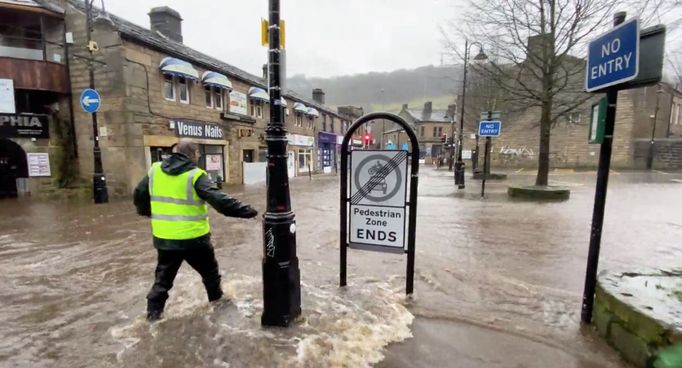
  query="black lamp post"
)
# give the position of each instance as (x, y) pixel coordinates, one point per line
(281, 275)
(99, 181)
(459, 165)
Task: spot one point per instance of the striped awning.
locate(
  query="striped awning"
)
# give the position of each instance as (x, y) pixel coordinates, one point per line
(178, 67)
(299, 107)
(313, 112)
(217, 80)
(259, 94)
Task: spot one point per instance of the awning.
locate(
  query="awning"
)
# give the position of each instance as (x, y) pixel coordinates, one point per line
(284, 102)
(178, 67)
(313, 112)
(259, 94)
(299, 107)
(217, 80)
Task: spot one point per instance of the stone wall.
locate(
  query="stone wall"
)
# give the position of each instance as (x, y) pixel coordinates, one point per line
(667, 153)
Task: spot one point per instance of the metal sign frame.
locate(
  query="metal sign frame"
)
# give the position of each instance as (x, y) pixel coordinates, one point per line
(344, 197)
(499, 131)
(605, 36)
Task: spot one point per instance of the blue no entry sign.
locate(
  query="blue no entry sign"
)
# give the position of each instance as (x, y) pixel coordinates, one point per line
(613, 57)
(489, 128)
(90, 100)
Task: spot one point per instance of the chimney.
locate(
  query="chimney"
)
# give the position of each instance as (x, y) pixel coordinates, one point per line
(404, 107)
(166, 21)
(318, 96)
(452, 110)
(428, 108)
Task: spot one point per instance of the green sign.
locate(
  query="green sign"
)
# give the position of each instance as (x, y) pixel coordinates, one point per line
(597, 120)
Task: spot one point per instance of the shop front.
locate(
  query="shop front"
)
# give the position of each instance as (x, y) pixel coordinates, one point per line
(210, 137)
(326, 152)
(301, 150)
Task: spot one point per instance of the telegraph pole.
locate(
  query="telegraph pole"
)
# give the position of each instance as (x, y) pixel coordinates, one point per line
(281, 275)
(99, 181)
(459, 165)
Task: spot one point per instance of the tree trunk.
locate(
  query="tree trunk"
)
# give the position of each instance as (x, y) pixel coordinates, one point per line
(545, 130)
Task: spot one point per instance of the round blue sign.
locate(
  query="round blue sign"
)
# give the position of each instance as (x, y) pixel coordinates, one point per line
(90, 100)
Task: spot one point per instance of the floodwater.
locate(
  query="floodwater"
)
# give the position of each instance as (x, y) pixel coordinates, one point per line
(498, 283)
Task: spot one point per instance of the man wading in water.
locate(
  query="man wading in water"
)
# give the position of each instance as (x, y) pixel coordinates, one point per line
(174, 194)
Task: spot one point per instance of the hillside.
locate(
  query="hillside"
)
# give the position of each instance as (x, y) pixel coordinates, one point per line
(386, 91)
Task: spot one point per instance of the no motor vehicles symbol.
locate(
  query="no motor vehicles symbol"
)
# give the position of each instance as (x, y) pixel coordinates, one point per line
(378, 178)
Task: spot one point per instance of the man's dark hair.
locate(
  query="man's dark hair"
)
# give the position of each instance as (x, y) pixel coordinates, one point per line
(187, 148)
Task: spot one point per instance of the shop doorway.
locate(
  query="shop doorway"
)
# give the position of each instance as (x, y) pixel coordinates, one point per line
(13, 165)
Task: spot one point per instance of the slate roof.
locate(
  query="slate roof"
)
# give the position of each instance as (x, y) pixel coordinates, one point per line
(438, 116)
(177, 49)
(45, 4)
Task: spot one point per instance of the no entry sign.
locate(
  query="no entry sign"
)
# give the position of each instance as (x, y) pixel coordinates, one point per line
(377, 198)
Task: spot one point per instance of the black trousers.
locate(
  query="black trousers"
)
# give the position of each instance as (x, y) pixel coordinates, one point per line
(201, 258)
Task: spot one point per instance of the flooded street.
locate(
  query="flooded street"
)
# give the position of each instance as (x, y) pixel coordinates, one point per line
(497, 283)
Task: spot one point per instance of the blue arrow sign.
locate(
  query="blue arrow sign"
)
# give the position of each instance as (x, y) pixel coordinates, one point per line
(613, 57)
(90, 100)
(489, 128)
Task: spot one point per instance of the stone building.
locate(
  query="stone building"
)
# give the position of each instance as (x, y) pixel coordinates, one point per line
(37, 149)
(156, 90)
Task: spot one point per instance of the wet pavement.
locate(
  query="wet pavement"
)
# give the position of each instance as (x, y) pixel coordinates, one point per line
(498, 283)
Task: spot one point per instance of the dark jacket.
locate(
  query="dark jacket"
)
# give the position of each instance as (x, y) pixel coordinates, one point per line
(177, 164)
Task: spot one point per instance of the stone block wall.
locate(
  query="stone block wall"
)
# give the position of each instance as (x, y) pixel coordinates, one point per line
(667, 153)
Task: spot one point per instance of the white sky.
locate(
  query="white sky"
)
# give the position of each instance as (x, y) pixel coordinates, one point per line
(324, 37)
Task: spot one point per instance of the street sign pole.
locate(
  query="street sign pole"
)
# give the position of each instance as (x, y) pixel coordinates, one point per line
(486, 165)
(488, 129)
(99, 182)
(600, 196)
(281, 275)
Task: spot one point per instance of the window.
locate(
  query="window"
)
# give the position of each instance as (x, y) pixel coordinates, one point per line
(168, 88)
(440, 131)
(208, 97)
(435, 131)
(311, 122)
(332, 125)
(299, 119)
(345, 126)
(212, 160)
(422, 131)
(257, 108)
(574, 118)
(183, 89)
(324, 122)
(218, 96)
(159, 153)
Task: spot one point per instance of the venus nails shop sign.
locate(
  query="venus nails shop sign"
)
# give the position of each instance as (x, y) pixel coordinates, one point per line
(197, 129)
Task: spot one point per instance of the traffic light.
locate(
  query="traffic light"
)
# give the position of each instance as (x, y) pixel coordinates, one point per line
(443, 138)
(367, 139)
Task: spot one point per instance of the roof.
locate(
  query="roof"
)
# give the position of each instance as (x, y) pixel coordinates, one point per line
(44, 4)
(438, 115)
(178, 49)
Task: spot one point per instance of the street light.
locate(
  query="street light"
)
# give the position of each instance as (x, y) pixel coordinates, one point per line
(281, 275)
(99, 182)
(459, 165)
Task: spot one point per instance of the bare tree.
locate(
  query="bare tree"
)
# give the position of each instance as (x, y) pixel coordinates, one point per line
(535, 50)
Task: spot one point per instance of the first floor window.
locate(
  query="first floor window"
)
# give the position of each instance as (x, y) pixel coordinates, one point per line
(218, 96)
(168, 88)
(422, 131)
(257, 108)
(208, 96)
(183, 89)
(435, 132)
(440, 131)
(299, 119)
(311, 122)
(574, 118)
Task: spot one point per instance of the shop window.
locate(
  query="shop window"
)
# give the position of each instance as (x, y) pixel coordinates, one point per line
(262, 154)
(159, 153)
(183, 89)
(212, 160)
(168, 88)
(208, 97)
(247, 155)
(305, 159)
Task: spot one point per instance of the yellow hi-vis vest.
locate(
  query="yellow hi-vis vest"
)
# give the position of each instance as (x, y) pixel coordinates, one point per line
(177, 211)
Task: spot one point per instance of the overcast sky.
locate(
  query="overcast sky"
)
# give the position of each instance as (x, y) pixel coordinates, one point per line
(324, 37)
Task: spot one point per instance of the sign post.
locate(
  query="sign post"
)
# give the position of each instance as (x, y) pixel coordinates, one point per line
(488, 129)
(613, 64)
(375, 208)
